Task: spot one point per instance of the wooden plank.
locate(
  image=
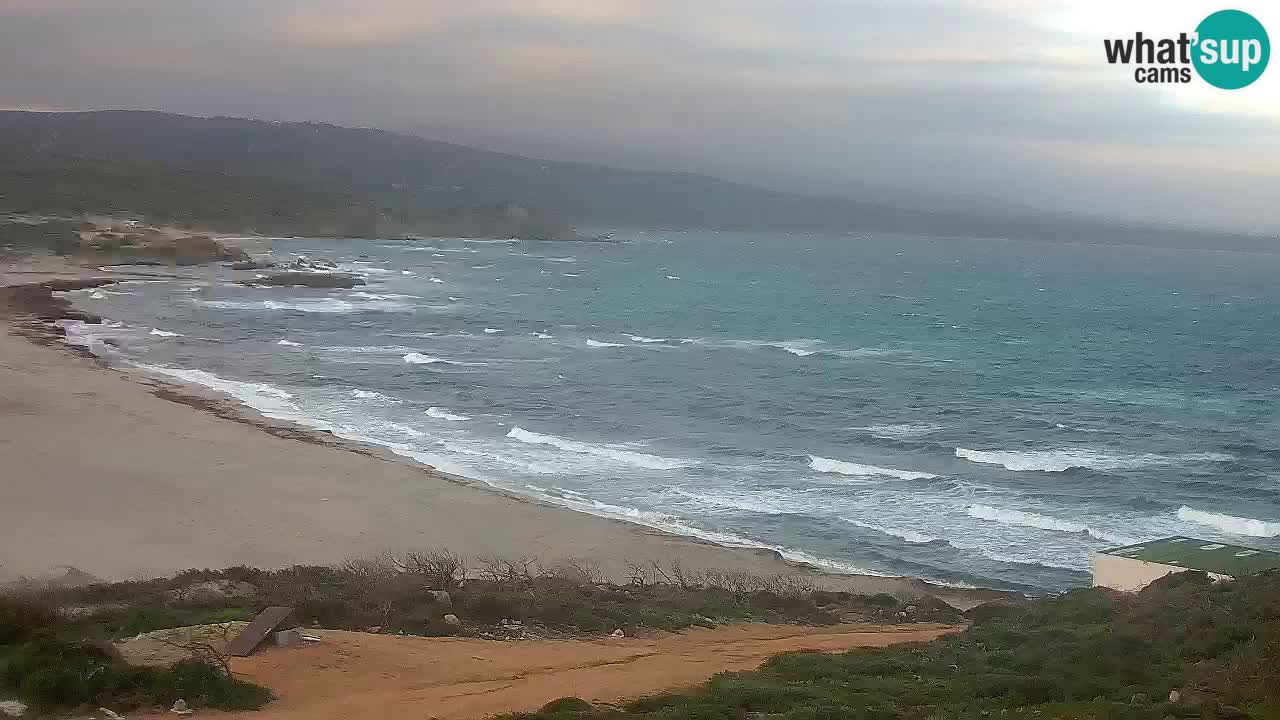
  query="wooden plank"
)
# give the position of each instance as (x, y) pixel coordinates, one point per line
(258, 630)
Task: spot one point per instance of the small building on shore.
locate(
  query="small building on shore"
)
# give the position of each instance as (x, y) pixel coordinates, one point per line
(1133, 567)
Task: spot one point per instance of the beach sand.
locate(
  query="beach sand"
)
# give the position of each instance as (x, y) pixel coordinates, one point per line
(121, 476)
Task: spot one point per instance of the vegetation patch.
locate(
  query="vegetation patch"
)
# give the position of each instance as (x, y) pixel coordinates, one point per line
(1087, 654)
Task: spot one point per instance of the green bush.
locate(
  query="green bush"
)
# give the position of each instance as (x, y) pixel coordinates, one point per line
(45, 669)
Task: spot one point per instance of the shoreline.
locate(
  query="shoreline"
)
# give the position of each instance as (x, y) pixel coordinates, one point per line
(279, 521)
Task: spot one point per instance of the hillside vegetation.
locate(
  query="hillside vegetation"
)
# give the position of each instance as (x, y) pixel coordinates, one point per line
(311, 178)
(1087, 654)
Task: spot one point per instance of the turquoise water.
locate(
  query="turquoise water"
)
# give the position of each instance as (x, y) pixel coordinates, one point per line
(972, 412)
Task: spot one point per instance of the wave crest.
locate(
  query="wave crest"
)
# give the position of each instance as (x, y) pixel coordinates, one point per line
(840, 467)
(1230, 524)
(628, 457)
(442, 414)
(1042, 522)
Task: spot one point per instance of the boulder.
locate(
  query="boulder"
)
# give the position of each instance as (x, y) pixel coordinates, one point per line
(12, 708)
(440, 597)
(452, 620)
(308, 279)
(212, 591)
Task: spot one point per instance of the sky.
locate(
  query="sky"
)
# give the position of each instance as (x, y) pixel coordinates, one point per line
(984, 102)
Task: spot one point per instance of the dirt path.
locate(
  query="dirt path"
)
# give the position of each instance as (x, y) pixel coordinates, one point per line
(354, 675)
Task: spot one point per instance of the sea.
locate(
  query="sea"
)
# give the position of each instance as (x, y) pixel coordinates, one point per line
(972, 412)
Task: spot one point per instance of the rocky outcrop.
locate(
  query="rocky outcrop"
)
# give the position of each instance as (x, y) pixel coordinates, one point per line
(133, 244)
(308, 279)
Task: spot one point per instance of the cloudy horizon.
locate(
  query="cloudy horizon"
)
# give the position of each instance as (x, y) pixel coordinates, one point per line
(1006, 101)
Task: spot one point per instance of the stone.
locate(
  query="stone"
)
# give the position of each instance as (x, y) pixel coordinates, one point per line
(452, 620)
(618, 633)
(285, 638)
(180, 707)
(1139, 699)
(440, 597)
(214, 591)
(12, 708)
(1175, 696)
(308, 279)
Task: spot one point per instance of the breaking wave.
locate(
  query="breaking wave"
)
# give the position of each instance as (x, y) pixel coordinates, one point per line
(628, 457)
(441, 414)
(827, 465)
(1042, 522)
(911, 536)
(598, 344)
(1230, 524)
(1084, 458)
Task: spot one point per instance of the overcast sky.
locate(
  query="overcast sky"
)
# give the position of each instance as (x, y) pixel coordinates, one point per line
(1007, 99)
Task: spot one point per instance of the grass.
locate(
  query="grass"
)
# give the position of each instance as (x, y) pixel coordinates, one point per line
(490, 595)
(45, 662)
(55, 647)
(1086, 654)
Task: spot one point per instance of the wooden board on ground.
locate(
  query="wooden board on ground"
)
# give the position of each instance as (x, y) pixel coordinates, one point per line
(258, 630)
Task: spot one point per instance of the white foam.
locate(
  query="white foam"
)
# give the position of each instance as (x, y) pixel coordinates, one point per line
(414, 358)
(163, 333)
(1042, 522)
(673, 277)
(320, 305)
(434, 279)
(1230, 524)
(1086, 458)
(647, 340)
(678, 526)
(371, 395)
(491, 331)
(827, 465)
(599, 344)
(911, 536)
(543, 336)
(288, 343)
(266, 399)
(627, 457)
(97, 295)
(381, 296)
(442, 414)
(562, 259)
(899, 431)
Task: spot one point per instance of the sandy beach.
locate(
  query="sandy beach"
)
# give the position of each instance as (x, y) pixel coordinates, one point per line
(119, 476)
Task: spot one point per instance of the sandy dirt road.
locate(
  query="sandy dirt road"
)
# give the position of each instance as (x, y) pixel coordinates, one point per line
(357, 675)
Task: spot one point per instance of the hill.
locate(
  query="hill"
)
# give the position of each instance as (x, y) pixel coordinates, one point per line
(308, 175)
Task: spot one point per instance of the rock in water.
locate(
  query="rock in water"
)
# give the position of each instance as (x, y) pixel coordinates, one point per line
(308, 279)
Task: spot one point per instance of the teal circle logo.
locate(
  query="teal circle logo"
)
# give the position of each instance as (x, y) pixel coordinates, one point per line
(1232, 49)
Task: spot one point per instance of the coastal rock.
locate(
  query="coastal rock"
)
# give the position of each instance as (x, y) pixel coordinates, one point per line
(252, 265)
(308, 279)
(214, 591)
